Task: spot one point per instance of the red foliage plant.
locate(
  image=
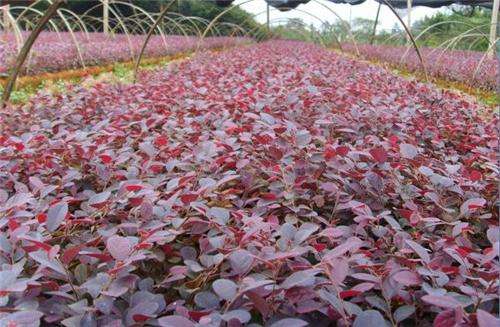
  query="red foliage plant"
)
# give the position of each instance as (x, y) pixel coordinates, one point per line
(277, 184)
(472, 68)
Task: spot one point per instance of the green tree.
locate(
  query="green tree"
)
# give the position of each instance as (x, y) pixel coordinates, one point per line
(362, 29)
(464, 27)
(472, 24)
(204, 9)
(294, 29)
(209, 10)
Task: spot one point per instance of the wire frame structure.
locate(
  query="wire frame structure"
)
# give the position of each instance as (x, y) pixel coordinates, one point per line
(24, 25)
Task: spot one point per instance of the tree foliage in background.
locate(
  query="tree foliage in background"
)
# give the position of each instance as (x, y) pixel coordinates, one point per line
(465, 20)
(473, 22)
(295, 29)
(208, 10)
(205, 9)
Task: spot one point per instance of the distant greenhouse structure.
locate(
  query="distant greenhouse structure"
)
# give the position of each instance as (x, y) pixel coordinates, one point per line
(286, 5)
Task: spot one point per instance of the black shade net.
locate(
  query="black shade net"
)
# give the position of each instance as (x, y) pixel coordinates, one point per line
(285, 5)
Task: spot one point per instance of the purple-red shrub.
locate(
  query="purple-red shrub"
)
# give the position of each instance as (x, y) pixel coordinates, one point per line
(54, 52)
(278, 184)
(472, 68)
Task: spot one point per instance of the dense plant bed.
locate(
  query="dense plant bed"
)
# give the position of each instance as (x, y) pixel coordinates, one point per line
(57, 82)
(55, 52)
(278, 184)
(471, 68)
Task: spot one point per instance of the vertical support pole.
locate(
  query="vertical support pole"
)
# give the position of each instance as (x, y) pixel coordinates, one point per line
(268, 18)
(105, 16)
(148, 36)
(408, 23)
(162, 8)
(410, 35)
(5, 17)
(350, 17)
(493, 28)
(374, 31)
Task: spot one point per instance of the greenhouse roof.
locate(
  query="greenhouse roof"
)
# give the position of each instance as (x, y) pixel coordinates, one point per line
(426, 3)
(285, 5)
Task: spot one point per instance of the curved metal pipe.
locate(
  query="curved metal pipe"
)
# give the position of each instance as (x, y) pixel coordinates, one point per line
(494, 44)
(80, 22)
(26, 49)
(73, 37)
(410, 35)
(442, 23)
(148, 37)
(301, 11)
(17, 31)
(344, 23)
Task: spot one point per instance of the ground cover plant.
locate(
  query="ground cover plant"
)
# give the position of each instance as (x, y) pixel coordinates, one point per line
(471, 68)
(277, 184)
(53, 52)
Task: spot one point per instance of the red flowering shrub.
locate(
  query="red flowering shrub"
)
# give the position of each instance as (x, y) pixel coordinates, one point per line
(277, 184)
(53, 52)
(471, 68)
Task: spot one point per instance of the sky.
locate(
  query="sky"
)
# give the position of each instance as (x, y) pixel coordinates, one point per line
(366, 10)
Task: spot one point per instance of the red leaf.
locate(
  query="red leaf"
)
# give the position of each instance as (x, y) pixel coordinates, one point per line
(19, 146)
(269, 196)
(40, 245)
(379, 154)
(197, 315)
(405, 213)
(319, 247)
(140, 318)
(106, 158)
(342, 150)
(329, 152)
(475, 175)
(450, 270)
(445, 319)
(471, 205)
(275, 153)
(41, 217)
(463, 251)
(70, 254)
(393, 139)
(157, 168)
(135, 201)
(188, 198)
(259, 303)
(134, 187)
(349, 293)
(101, 256)
(161, 141)
(13, 224)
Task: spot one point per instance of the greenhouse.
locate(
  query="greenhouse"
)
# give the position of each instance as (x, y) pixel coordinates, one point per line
(273, 163)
